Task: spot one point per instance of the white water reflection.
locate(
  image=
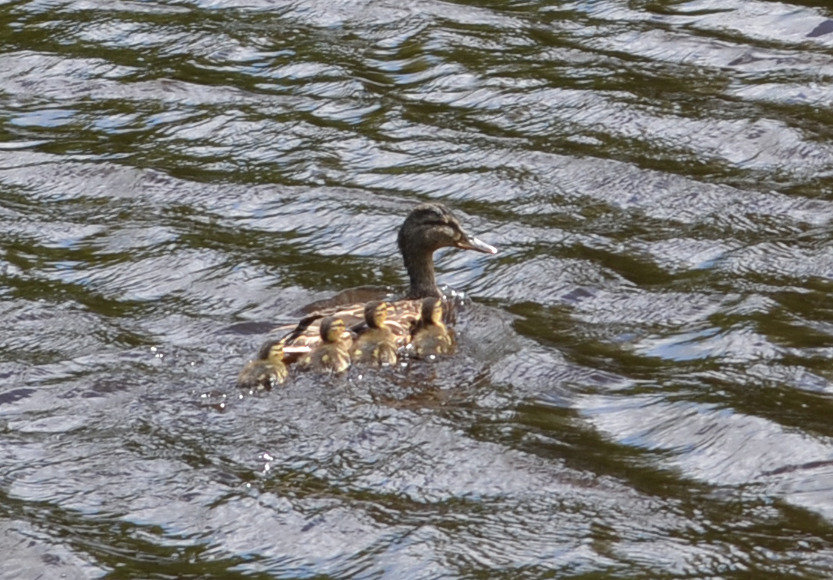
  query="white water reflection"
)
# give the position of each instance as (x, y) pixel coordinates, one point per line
(722, 447)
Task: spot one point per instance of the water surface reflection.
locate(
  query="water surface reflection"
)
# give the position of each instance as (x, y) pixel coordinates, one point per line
(643, 385)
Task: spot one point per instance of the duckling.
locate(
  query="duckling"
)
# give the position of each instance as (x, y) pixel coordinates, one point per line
(333, 352)
(376, 344)
(431, 337)
(266, 371)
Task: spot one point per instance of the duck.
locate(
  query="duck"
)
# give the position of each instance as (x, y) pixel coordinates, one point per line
(431, 337)
(427, 228)
(332, 353)
(376, 344)
(266, 371)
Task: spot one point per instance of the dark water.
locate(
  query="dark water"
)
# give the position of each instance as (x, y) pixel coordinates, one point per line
(644, 387)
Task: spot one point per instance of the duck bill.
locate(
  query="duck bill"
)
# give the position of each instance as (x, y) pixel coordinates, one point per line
(472, 243)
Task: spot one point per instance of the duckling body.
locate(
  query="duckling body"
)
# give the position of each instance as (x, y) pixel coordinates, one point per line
(377, 344)
(431, 337)
(266, 371)
(427, 228)
(432, 340)
(332, 354)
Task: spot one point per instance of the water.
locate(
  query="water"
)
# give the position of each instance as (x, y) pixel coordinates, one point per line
(643, 388)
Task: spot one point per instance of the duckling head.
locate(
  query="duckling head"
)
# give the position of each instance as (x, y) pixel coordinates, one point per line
(331, 329)
(375, 314)
(272, 351)
(431, 311)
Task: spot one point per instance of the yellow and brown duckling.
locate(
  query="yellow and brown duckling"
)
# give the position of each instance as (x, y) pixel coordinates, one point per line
(266, 371)
(428, 227)
(333, 351)
(430, 336)
(377, 343)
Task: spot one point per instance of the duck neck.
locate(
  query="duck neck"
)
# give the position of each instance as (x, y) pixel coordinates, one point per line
(420, 266)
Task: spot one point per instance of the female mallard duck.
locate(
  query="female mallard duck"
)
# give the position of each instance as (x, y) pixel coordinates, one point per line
(266, 371)
(333, 351)
(376, 344)
(429, 227)
(430, 336)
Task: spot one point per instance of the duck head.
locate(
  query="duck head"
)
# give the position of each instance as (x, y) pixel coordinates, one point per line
(429, 227)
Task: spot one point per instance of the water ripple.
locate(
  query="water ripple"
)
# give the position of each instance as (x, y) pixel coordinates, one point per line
(642, 383)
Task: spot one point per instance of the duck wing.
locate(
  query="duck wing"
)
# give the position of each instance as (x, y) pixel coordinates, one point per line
(348, 298)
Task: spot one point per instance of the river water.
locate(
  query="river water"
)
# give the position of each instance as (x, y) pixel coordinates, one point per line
(644, 384)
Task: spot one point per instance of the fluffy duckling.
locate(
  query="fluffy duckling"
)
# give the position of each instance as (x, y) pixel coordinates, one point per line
(377, 344)
(431, 337)
(333, 352)
(266, 371)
